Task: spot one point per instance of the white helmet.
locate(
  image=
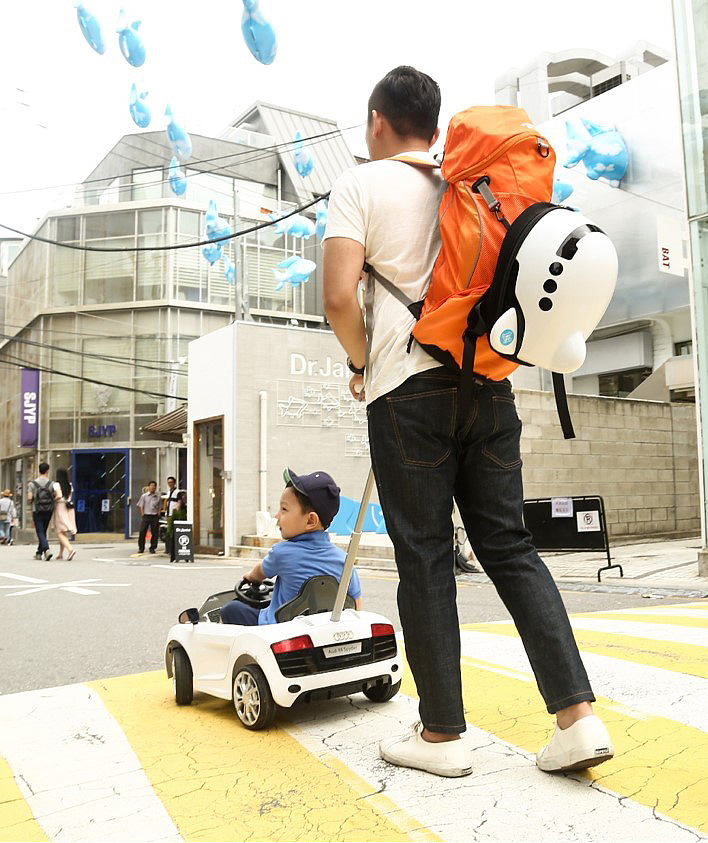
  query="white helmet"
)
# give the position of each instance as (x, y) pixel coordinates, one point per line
(567, 271)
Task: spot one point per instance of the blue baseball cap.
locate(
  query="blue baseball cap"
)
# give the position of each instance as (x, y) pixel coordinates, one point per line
(321, 490)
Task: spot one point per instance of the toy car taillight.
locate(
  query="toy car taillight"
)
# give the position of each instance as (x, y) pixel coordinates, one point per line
(379, 629)
(301, 642)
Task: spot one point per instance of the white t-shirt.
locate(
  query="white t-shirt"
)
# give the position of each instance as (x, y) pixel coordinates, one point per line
(391, 208)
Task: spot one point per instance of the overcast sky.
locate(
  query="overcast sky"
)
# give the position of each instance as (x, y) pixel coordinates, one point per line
(62, 106)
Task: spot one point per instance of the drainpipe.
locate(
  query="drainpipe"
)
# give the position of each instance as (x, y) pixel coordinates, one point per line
(263, 462)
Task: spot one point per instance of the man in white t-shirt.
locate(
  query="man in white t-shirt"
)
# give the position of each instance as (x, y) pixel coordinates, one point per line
(426, 449)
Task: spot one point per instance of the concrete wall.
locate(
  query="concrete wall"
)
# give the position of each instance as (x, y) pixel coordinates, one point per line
(639, 455)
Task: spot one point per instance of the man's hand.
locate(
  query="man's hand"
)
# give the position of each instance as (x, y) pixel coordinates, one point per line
(356, 387)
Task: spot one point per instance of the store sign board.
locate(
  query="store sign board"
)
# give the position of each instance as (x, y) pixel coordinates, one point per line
(29, 410)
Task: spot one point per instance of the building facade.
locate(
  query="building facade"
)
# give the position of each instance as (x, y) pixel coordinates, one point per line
(643, 346)
(108, 331)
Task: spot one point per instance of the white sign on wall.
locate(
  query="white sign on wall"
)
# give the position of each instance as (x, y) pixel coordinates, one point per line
(561, 507)
(670, 246)
(588, 522)
(319, 404)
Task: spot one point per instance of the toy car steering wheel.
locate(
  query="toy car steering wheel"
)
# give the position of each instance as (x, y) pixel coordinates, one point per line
(255, 594)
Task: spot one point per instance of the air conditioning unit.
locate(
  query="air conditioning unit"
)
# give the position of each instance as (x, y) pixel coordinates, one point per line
(611, 77)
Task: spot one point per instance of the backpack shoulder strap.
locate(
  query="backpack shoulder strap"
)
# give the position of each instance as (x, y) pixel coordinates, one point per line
(562, 405)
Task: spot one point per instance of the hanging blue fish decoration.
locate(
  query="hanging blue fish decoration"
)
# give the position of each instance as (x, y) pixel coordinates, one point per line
(212, 252)
(258, 34)
(304, 161)
(301, 226)
(176, 178)
(321, 213)
(179, 140)
(130, 43)
(561, 191)
(229, 270)
(604, 154)
(139, 110)
(294, 270)
(90, 27)
(215, 227)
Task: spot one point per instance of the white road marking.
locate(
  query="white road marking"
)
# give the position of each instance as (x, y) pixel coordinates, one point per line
(73, 586)
(76, 769)
(190, 566)
(639, 687)
(20, 578)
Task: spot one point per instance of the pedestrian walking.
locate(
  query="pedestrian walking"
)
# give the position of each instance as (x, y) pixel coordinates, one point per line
(8, 515)
(170, 505)
(428, 447)
(150, 506)
(63, 520)
(41, 496)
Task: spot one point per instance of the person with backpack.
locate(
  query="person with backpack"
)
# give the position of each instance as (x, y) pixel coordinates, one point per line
(431, 444)
(41, 495)
(8, 514)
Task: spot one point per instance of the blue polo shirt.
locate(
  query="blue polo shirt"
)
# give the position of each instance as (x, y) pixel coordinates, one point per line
(298, 559)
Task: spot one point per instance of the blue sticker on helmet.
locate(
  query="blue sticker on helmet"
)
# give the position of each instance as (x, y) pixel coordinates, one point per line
(506, 337)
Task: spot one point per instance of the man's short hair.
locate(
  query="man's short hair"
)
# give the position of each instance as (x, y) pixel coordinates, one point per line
(152, 482)
(43, 467)
(172, 478)
(409, 100)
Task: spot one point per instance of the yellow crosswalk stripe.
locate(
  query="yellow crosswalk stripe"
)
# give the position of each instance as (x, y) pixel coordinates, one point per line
(16, 820)
(221, 782)
(658, 762)
(670, 620)
(668, 655)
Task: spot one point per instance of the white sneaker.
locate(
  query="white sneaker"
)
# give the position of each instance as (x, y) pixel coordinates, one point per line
(584, 744)
(450, 758)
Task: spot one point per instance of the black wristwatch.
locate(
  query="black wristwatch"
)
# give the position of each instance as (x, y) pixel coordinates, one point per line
(353, 368)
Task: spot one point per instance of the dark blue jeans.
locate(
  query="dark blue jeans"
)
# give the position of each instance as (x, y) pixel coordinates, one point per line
(41, 522)
(424, 452)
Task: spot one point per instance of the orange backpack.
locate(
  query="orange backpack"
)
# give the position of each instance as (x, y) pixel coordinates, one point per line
(499, 142)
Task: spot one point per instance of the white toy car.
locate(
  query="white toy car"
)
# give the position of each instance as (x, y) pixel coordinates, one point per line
(308, 657)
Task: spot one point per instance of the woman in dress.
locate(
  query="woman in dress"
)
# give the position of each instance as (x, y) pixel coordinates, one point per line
(63, 519)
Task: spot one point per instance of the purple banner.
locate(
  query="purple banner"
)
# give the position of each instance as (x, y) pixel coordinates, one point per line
(29, 407)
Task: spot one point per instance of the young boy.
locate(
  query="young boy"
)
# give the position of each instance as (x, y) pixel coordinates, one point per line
(307, 506)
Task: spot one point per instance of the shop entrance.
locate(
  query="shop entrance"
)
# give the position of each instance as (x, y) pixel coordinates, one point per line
(208, 505)
(101, 484)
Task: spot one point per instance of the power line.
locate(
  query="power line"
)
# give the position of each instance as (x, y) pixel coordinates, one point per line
(172, 247)
(268, 150)
(25, 364)
(141, 363)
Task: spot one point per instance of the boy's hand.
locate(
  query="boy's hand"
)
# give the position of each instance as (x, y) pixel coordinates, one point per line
(356, 387)
(255, 575)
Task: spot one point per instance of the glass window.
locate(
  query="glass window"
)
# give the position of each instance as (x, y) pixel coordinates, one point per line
(209, 485)
(151, 265)
(109, 276)
(109, 363)
(150, 374)
(113, 224)
(147, 184)
(691, 29)
(67, 229)
(190, 264)
(64, 284)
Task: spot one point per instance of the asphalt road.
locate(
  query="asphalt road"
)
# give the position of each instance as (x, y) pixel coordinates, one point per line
(107, 612)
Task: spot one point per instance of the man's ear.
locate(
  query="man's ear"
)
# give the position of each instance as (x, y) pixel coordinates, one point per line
(436, 135)
(376, 123)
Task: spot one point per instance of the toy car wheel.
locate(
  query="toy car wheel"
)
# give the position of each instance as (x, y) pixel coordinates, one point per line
(383, 693)
(183, 678)
(253, 700)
